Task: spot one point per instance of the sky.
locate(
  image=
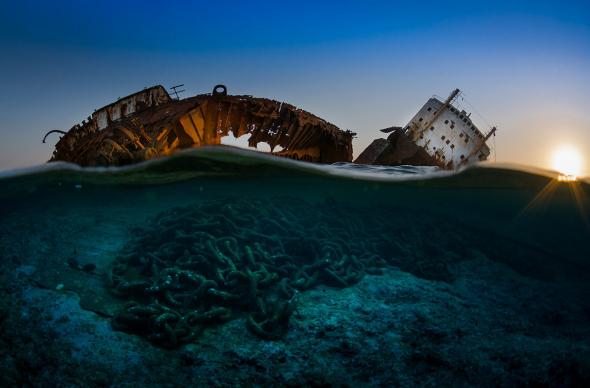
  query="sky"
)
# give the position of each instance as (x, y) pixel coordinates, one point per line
(361, 65)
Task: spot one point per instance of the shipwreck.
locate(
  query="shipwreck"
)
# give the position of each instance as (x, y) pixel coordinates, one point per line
(151, 123)
(440, 134)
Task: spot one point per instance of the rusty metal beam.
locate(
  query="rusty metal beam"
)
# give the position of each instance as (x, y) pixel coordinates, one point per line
(417, 134)
(190, 117)
(478, 147)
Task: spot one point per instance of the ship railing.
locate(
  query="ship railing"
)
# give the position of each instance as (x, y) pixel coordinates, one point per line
(454, 103)
(439, 98)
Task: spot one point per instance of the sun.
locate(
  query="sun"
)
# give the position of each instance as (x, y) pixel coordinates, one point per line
(567, 161)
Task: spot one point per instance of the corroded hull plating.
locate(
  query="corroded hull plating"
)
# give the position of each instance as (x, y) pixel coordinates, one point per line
(150, 124)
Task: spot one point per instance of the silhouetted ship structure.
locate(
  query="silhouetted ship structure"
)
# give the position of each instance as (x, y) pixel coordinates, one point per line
(440, 134)
(151, 123)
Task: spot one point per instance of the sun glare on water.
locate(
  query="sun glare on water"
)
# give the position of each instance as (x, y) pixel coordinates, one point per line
(567, 161)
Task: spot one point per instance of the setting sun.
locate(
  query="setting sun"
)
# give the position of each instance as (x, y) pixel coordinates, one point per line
(567, 161)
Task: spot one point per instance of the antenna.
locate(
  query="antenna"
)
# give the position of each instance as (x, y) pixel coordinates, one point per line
(177, 91)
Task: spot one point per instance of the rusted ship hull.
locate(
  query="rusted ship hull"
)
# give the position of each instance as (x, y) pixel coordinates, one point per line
(150, 123)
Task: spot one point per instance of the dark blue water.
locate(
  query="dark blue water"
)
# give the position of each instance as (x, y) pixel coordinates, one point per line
(527, 205)
(167, 250)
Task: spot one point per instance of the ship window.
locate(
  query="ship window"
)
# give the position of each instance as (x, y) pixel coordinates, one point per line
(420, 119)
(446, 121)
(461, 116)
(452, 109)
(462, 157)
(448, 141)
(466, 140)
(432, 128)
(443, 157)
(461, 135)
(452, 146)
(464, 120)
(434, 148)
(452, 126)
(443, 137)
(429, 109)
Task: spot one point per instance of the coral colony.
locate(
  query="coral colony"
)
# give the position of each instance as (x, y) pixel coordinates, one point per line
(208, 263)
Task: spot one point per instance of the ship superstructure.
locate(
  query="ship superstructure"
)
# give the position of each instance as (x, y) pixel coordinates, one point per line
(440, 134)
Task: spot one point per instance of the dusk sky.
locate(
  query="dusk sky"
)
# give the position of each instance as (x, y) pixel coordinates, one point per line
(363, 66)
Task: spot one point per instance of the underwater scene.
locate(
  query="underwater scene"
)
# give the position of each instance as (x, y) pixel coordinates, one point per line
(220, 267)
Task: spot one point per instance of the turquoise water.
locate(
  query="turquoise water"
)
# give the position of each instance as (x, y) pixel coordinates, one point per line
(523, 204)
(167, 249)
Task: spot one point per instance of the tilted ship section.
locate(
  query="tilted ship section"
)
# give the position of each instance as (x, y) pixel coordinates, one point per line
(150, 123)
(440, 134)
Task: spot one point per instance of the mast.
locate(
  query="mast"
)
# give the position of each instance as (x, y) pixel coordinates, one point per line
(438, 113)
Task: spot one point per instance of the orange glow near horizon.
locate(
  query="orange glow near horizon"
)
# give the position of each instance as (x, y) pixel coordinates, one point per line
(567, 160)
(533, 212)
